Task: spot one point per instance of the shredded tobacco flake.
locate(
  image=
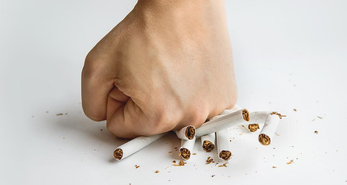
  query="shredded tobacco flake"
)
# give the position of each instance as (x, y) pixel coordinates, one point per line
(316, 132)
(60, 114)
(136, 166)
(290, 162)
(157, 171)
(209, 160)
(278, 114)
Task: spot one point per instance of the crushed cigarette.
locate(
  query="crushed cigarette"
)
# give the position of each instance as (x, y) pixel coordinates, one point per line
(245, 114)
(208, 146)
(316, 132)
(118, 153)
(60, 114)
(278, 114)
(190, 132)
(157, 171)
(264, 139)
(184, 153)
(209, 160)
(253, 127)
(136, 166)
(225, 155)
(290, 162)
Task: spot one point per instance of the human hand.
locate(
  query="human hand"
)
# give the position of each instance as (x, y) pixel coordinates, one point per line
(168, 64)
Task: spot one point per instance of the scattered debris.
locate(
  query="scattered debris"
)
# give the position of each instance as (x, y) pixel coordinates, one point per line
(294, 110)
(60, 114)
(212, 175)
(136, 166)
(209, 160)
(316, 132)
(319, 117)
(274, 166)
(223, 165)
(157, 171)
(290, 162)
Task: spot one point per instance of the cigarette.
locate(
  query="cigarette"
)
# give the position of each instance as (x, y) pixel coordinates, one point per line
(269, 129)
(259, 117)
(186, 149)
(223, 144)
(186, 133)
(134, 146)
(235, 118)
(208, 142)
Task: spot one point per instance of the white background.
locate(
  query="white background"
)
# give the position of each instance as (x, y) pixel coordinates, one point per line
(287, 55)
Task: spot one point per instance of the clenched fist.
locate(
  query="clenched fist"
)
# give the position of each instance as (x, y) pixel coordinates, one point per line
(167, 65)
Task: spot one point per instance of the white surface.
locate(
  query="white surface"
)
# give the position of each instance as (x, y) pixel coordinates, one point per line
(287, 54)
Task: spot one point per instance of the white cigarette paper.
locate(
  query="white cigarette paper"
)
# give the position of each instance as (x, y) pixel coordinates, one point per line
(269, 129)
(258, 116)
(208, 142)
(223, 122)
(223, 144)
(134, 146)
(186, 133)
(186, 150)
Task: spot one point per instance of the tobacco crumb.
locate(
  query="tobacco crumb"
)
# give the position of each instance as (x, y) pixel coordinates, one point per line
(209, 160)
(230, 140)
(157, 171)
(316, 132)
(294, 110)
(190, 132)
(208, 146)
(337, 150)
(253, 127)
(212, 175)
(170, 152)
(225, 155)
(101, 129)
(313, 119)
(274, 167)
(245, 114)
(60, 114)
(136, 166)
(194, 153)
(319, 117)
(290, 162)
(47, 111)
(264, 139)
(278, 114)
(223, 165)
(63, 137)
(176, 148)
(274, 148)
(277, 134)
(184, 153)
(180, 164)
(66, 113)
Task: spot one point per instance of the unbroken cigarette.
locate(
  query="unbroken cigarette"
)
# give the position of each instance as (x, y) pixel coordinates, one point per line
(269, 129)
(223, 144)
(186, 149)
(186, 133)
(236, 118)
(134, 146)
(208, 142)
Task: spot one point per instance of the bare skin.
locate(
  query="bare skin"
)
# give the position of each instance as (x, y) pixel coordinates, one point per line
(167, 65)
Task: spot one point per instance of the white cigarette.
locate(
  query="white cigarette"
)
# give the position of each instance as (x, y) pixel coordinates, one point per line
(134, 146)
(223, 144)
(223, 122)
(186, 133)
(269, 129)
(208, 142)
(186, 149)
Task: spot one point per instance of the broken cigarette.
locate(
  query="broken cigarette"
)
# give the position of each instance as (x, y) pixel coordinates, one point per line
(186, 133)
(134, 146)
(220, 123)
(186, 149)
(223, 144)
(269, 129)
(208, 142)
